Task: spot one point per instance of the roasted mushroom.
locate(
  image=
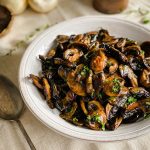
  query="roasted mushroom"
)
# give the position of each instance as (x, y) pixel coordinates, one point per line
(112, 86)
(112, 65)
(76, 87)
(89, 83)
(121, 43)
(72, 55)
(147, 62)
(96, 80)
(136, 62)
(145, 78)
(139, 92)
(98, 63)
(36, 81)
(145, 46)
(131, 116)
(5, 19)
(96, 118)
(115, 53)
(126, 71)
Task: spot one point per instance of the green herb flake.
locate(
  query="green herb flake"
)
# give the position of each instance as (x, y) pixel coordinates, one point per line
(142, 52)
(97, 118)
(88, 118)
(85, 71)
(109, 64)
(103, 126)
(146, 116)
(131, 99)
(100, 95)
(75, 119)
(146, 20)
(116, 86)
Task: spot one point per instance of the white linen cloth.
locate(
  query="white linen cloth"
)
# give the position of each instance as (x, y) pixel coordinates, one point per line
(43, 138)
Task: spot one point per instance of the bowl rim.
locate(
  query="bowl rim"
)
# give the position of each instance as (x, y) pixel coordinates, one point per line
(68, 132)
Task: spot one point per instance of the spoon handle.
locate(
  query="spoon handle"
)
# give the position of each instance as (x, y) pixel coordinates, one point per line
(25, 135)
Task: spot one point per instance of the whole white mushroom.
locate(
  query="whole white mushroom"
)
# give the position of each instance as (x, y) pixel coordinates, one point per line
(15, 6)
(42, 6)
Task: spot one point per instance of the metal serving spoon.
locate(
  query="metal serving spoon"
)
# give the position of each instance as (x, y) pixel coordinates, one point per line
(11, 105)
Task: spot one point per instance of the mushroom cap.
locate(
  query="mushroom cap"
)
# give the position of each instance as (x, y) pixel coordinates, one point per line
(16, 6)
(5, 20)
(42, 6)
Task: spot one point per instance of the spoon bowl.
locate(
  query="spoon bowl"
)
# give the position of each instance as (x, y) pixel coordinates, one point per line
(11, 105)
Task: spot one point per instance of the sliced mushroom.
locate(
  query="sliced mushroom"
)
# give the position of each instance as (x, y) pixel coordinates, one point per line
(126, 71)
(99, 62)
(115, 53)
(145, 105)
(36, 81)
(72, 55)
(104, 37)
(47, 92)
(5, 20)
(130, 42)
(139, 92)
(132, 50)
(112, 65)
(112, 86)
(136, 62)
(114, 112)
(131, 116)
(51, 53)
(81, 72)
(62, 72)
(76, 38)
(89, 83)
(133, 106)
(58, 61)
(55, 92)
(147, 62)
(145, 46)
(76, 87)
(97, 115)
(121, 43)
(145, 78)
(62, 38)
(120, 103)
(82, 103)
(68, 115)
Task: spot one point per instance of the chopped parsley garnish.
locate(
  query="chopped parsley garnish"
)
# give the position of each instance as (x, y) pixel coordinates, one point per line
(103, 127)
(88, 118)
(96, 118)
(116, 86)
(146, 116)
(131, 99)
(109, 64)
(100, 95)
(146, 20)
(85, 71)
(142, 52)
(75, 119)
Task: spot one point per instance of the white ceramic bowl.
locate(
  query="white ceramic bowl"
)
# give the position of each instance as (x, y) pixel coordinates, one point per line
(42, 44)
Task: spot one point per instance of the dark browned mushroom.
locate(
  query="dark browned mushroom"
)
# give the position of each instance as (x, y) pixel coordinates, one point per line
(145, 46)
(112, 65)
(5, 19)
(145, 78)
(126, 71)
(99, 62)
